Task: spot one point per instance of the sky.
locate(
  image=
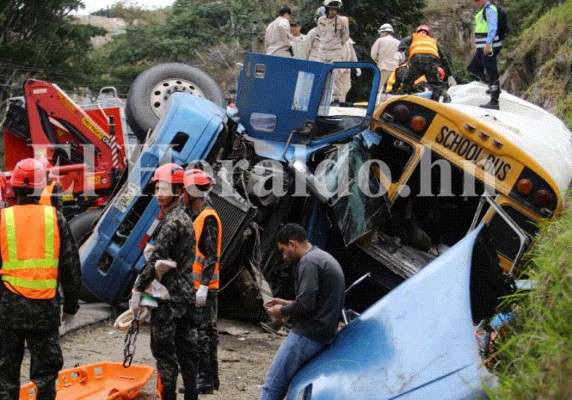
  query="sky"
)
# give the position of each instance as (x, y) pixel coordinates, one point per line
(94, 5)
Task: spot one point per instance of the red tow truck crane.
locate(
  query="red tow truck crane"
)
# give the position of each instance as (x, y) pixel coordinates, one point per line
(84, 149)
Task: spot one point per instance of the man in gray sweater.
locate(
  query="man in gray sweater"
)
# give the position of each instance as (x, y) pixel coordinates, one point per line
(319, 288)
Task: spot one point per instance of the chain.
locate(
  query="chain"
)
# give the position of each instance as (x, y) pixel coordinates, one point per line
(130, 339)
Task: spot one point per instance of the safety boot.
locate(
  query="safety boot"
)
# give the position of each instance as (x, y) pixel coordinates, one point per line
(493, 104)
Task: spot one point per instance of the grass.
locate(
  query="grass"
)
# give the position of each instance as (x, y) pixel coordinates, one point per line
(535, 357)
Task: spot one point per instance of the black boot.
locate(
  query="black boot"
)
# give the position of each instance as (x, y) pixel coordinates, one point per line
(495, 93)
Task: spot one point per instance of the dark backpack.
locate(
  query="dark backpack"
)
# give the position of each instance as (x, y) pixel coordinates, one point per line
(502, 21)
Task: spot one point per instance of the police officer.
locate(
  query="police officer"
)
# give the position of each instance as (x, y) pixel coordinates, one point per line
(313, 37)
(488, 47)
(383, 53)
(334, 34)
(277, 37)
(39, 255)
(208, 230)
(174, 322)
(425, 56)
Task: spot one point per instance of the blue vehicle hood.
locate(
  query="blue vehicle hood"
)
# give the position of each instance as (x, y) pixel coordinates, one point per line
(417, 342)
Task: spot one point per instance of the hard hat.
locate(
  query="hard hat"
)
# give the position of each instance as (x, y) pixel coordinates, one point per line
(333, 3)
(423, 28)
(196, 177)
(320, 12)
(385, 28)
(169, 172)
(441, 73)
(29, 173)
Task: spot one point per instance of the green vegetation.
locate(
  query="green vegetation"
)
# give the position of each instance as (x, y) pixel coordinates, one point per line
(535, 357)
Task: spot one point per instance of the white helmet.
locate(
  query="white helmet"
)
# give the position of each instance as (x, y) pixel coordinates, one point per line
(385, 28)
(333, 3)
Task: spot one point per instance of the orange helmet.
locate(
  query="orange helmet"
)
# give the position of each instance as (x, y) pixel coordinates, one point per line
(29, 173)
(441, 73)
(170, 172)
(197, 182)
(423, 28)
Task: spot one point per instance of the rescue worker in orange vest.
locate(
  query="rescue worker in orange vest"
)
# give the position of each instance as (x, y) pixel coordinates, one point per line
(394, 84)
(38, 255)
(424, 56)
(208, 230)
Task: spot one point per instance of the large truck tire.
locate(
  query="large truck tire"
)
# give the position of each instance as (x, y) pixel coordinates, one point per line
(148, 94)
(81, 227)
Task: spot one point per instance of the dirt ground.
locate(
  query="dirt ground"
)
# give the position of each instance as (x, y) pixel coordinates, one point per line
(245, 353)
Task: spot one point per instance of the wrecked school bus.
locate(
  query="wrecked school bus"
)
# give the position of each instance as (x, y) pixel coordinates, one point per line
(385, 188)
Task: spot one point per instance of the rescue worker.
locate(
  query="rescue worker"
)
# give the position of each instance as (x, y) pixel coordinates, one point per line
(383, 53)
(394, 84)
(208, 231)
(488, 47)
(174, 321)
(299, 43)
(39, 255)
(278, 36)
(334, 34)
(313, 38)
(424, 56)
(346, 78)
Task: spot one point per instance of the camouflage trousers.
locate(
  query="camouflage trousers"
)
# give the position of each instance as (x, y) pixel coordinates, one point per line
(46, 361)
(427, 65)
(174, 344)
(208, 341)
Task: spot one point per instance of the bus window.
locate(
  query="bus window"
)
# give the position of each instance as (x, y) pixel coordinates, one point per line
(504, 237)
(395, 153)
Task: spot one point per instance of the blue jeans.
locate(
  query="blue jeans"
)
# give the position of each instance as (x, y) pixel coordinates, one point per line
(292, 354)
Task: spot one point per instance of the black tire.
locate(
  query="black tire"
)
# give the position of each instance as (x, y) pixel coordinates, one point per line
(81, 227)
(149, 92)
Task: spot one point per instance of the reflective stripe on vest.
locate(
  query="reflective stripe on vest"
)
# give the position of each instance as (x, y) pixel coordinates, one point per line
(30, 253)
(423, 44)
(46, 197)
(482, 29)
(199, 224)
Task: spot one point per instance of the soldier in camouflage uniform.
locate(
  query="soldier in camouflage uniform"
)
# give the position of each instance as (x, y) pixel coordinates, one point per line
(425, 56)
(29, 300)
(208, 229)
(174, 322)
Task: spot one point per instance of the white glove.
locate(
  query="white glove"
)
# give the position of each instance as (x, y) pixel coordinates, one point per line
(399, 57)
(451, 81)
(148, 251)
(201, 296)
(67, 320)
(358, 71)
(135, 301)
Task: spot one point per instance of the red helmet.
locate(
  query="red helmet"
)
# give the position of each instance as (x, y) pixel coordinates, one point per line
(423, 28)
(441, 73)
(2, 190)
(29, 173)
(197, 177)
(169, 172)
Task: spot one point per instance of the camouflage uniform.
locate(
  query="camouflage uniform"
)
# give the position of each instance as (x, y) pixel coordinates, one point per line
(36, 322)
(174, 322)
(428, 65)
(208, 334)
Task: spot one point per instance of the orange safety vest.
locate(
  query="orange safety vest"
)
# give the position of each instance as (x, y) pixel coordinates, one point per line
(46, 197)
(423, 44)
(199, 224)
(30, 246)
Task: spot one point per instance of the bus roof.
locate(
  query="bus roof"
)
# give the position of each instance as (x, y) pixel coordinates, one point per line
(541, 135)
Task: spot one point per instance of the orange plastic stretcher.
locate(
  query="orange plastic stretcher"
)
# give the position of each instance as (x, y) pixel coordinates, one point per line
(99, 381)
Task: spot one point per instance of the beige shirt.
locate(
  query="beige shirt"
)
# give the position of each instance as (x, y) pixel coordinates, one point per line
(383, 52)
(277, 37)
(300, 47)
(313, 41)
(333, 36)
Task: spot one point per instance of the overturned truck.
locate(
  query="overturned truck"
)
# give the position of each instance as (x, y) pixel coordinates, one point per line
(384, 188)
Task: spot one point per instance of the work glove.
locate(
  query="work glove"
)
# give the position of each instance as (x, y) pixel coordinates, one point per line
(201, 296)
(399, 57)
(162, 267)
(134, 301)
(358, 71)
(67, 320)
(451, 81)
(148, 251)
